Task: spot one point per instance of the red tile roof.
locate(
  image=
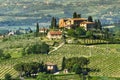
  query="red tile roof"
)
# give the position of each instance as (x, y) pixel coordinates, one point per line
(55, 32)
(78, 18)
(86, 22)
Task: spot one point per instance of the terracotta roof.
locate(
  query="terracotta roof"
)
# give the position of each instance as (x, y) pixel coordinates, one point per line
(86, 22)
(78, 18)
(55, 32)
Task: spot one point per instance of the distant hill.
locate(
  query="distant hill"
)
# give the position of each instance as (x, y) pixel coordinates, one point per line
(27, 12)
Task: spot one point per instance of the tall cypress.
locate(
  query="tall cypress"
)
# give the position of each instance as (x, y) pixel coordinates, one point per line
(37, 30)
(90, 19)
(75, 15)
(53, 23)
(99, 25)
(63, 63)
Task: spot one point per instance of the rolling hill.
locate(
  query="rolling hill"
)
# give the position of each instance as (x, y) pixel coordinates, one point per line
(27, 12)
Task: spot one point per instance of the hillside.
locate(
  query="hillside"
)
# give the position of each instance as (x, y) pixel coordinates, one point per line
(28, 12)
(104, 58)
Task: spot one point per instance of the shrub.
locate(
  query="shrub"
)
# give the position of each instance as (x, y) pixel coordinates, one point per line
(8, 76)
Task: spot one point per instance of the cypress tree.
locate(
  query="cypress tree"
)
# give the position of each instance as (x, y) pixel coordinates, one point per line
(37, 30)
(53, 23)
(99, 25)
(63, 63)
(90, 19)
(75, 15)
(79, 16)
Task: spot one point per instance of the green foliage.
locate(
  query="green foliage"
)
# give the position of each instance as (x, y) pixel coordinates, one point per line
(1, 53)
(71, 32)
(29, 68)
(63, 63)
(89, 34)
(37, 48)
(8, 76)
(43, 76)
(80, 31)
(75, 62)
(37, 30)
(53, 23)
(4, 56)
(75, 15)
(90, 19)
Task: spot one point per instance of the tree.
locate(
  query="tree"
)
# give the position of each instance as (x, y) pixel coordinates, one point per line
(90, 19)
(75, 15)
(37, 30)
(8, 76)
(81, 61)
(63, 63)
(79, 16)
(76, 68)
(27, 69)
(80, 31)
(1, 54)
(89, 34)
(36, 48)
(99, 25)
(53, 23)
(20, 68)
(71, 32)
(44, 48)
(106, 33)
(96, 25)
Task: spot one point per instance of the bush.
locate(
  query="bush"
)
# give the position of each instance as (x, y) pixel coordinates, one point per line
(8, 76)
(36, 48)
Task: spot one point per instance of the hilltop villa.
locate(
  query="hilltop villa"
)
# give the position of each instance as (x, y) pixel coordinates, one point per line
(71, 22)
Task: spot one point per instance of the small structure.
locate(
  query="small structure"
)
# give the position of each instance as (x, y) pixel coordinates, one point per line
(65, 71)
(52, 68)
(54, 35)
(87, 25)
(1, 36)
(43, 30)
(11, 33)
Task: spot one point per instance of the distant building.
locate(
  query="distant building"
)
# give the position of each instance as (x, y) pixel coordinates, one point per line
(1, 36)
(43, 30)
(69, 22)
(54, 35)
(52, 68)
(72, 22)
(11, 33)
(87, 25)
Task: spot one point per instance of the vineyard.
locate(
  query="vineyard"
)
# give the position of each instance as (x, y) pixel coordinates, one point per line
(103, 57)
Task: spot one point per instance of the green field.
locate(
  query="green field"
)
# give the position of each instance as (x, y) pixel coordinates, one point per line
(104, 57)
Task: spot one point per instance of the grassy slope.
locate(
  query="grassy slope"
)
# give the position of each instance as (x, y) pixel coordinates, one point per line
(107, 60)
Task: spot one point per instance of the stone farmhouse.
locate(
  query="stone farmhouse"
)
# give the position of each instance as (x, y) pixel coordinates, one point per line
(71, 22)
(54, 35)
